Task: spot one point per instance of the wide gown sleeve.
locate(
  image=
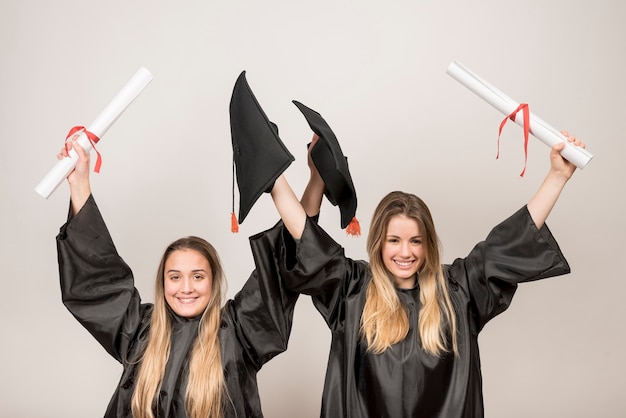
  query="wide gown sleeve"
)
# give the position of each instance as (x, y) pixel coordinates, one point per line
(97, 286)
(316, 265)
(515, 251)
(263, 309)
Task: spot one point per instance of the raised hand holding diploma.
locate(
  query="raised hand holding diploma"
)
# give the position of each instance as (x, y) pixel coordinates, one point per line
(88, 136)
(509, 107)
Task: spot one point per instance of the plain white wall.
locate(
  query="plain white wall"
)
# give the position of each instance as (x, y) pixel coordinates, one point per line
(376, 72)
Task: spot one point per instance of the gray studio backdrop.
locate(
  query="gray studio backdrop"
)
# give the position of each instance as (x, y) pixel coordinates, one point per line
(377, 73)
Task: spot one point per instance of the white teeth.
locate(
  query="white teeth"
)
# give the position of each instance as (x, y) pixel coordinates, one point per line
(403, 263)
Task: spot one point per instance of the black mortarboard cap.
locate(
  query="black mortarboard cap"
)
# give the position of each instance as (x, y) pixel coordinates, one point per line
(259, 156)
(333, 168)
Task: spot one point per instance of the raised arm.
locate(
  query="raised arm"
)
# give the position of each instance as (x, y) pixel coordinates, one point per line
(292, 211)
(78, 179)
(314, 191)
(289, 207)
(548, 193)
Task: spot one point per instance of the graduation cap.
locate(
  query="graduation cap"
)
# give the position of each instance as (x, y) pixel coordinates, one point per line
(333, 168)
(259, 156)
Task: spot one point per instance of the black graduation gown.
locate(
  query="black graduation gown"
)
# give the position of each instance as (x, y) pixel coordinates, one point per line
(97, 287)
(404, 381)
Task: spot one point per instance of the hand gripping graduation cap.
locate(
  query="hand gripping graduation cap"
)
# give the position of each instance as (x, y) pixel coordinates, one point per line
(259, 156)
(333, 168)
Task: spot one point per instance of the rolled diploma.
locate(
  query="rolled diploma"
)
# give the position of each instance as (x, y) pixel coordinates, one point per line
(538, 128)
(98, 127)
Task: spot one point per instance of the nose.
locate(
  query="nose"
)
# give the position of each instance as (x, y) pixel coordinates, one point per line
(187, 285)
(405, 249)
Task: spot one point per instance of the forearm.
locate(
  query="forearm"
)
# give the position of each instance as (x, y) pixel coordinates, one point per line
(546, 196)
(560, 172)
(79, 193)
(78, 179)
(313, 194)
(289, 207)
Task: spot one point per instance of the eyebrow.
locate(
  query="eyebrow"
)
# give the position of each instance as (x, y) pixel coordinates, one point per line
(193, 271)
(397, 236)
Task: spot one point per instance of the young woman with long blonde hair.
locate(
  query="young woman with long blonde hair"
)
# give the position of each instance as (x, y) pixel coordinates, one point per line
(188, 354)
(405, 326)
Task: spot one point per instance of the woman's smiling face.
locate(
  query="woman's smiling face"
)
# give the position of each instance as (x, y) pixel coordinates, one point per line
(187, 282)
(402, 252)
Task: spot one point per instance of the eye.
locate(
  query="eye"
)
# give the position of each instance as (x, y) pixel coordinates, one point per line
(198, 277)
(174, 277)
(416, 241)
(392, 240)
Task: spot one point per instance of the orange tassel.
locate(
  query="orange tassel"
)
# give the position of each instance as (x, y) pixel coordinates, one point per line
(234, 224)
(354, 228)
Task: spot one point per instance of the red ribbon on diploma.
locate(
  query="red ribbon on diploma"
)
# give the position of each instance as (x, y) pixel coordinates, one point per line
(526, 114)
(92, 139)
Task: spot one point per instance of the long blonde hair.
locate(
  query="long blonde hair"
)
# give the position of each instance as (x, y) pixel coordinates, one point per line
(206, 385)
(384, 320)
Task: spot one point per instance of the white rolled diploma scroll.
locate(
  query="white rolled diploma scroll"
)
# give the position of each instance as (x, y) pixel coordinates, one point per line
(98, 127)
(538, 128)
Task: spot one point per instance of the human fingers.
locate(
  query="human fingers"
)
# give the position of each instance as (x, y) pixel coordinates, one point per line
(573, 139)
(576, 141)
(65, 151)
(312, 144)
(310, 162)
(79, 150)
(558, 147)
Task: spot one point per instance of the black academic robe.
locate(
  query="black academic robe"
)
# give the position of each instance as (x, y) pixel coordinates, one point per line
(404, 381)
(97, 287)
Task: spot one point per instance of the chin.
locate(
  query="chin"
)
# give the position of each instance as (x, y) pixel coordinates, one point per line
(187, 313)
(405, 275)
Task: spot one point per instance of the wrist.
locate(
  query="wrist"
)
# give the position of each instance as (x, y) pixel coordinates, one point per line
(558, 177)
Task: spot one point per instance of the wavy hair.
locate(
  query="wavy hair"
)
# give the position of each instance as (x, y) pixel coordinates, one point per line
(384, 320)
(206, 386)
